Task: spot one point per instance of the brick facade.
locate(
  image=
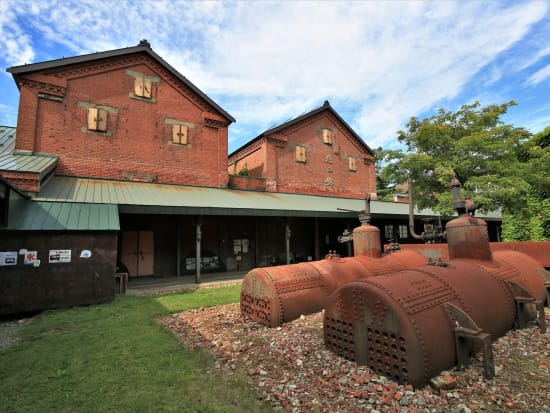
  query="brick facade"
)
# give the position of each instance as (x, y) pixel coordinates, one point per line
(325, 169)
(138, 141)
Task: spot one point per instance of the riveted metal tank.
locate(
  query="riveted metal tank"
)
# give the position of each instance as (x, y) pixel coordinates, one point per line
(397, 323)
(518, 268)
(467, 237)
(275, 295)
(412, 324)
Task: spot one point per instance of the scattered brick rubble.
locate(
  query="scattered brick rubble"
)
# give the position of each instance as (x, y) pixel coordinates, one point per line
(290, 368)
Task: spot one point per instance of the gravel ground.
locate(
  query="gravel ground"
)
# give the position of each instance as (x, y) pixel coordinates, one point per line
(290, 367)
(9, 332)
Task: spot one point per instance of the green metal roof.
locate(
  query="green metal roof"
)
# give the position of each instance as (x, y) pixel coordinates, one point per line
(33, 163)
(7, 140)
(149, 198)
(64, 216)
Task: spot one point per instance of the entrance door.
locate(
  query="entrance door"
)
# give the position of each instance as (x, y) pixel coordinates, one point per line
(138, 252)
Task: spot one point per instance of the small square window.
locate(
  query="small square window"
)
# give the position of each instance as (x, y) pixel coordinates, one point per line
(97, 119)
(352, 163)
(300, 154)
(328, 136)
(143, 87)
(179, 134)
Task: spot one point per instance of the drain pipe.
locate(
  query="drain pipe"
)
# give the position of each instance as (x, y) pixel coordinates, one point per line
(411, 212)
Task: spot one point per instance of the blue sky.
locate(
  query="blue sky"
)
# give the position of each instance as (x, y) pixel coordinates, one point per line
(378, 63)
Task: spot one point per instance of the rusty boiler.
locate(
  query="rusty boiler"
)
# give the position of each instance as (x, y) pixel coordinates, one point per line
(275, 295)
(411, 325)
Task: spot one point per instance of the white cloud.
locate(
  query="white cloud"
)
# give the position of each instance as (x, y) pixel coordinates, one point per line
(539, 76)
(14, 43)
(265, 62)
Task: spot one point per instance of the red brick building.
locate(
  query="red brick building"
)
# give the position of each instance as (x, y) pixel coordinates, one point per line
(121, 162)
(316, 154)
(124, 114)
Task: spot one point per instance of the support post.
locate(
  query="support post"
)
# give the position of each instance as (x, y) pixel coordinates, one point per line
(316, 237)
(178, 251)
(287, 242)
(198, 253)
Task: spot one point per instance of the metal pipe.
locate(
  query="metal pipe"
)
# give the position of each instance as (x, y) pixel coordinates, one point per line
(411, 213)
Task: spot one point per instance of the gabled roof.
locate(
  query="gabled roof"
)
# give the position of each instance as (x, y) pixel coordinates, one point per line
(7, 140)
(143, 47)
(326, 106)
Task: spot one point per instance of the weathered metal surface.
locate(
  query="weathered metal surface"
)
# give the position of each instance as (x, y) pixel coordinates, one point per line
(411, 325)
(538, 250)
(396, 323)
(520, 269)
(467, 237)
(275, 295)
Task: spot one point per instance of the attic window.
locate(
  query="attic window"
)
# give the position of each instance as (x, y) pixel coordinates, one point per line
(328, 136)
(352, 163)
(179, 134)
(97, 119)
(300, 154)
(143, 87)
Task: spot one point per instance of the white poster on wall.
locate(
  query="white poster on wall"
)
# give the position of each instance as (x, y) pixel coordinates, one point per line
(59, 256)
(30, 257)
(8, 258)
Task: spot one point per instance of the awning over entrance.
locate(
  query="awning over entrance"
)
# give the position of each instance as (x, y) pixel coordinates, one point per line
(64, 216)
(141, 198)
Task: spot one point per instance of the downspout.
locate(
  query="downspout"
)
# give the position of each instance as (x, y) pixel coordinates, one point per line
(411, 212)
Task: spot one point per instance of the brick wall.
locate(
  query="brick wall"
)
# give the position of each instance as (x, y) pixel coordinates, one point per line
(29, 182)
(138, 141)
(326, 167)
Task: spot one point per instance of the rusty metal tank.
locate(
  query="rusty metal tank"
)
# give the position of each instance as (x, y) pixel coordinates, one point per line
(275, 295)
(413, 324)
(397, 324)
(538, 250)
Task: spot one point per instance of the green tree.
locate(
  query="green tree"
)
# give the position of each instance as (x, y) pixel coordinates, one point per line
(472, 143)
(532, 220)
(385, 180)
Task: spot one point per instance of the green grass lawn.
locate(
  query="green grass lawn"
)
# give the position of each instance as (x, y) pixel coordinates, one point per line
(116, 358)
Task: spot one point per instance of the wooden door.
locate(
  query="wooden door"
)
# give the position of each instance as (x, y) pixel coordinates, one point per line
(138, 252)
(129, 251)
(146, 253)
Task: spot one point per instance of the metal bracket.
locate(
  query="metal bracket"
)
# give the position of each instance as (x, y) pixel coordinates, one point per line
(521, 298)
(467, 334)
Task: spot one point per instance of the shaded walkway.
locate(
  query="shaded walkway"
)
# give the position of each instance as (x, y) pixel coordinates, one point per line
(169, 285)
